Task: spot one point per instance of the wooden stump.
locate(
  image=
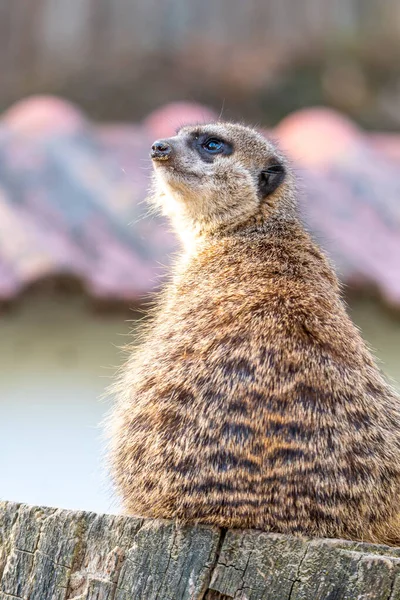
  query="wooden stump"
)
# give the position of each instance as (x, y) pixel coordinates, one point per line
(52, 554)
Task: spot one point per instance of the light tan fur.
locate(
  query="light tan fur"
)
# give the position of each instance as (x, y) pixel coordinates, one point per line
(253, 400)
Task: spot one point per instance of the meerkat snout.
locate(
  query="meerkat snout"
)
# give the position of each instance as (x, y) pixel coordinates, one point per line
(160, 150)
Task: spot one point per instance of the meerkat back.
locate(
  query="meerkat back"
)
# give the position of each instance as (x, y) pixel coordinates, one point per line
(252, 402)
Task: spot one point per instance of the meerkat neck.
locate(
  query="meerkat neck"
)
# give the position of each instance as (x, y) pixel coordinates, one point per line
(196, 237)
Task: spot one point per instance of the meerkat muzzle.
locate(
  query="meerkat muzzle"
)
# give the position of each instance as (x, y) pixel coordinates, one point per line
(161, 150)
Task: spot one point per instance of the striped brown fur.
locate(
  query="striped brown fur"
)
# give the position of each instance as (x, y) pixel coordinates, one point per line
(253, 400)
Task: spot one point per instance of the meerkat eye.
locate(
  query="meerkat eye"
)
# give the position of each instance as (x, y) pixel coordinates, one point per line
(213, 145)
(270, 179)
(210, 146)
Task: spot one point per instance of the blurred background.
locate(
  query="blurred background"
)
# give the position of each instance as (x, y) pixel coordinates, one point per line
(85, 87)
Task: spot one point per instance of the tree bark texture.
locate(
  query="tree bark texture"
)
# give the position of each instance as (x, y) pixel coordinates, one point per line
(53, 554)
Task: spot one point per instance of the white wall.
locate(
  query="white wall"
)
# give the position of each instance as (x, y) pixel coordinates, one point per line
(57, 357)
(382, 330)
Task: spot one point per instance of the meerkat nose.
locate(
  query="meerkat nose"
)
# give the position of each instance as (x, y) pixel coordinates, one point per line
(160, 150)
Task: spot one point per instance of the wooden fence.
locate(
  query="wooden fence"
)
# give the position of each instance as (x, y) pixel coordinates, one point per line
(49, 554)
(54, 45)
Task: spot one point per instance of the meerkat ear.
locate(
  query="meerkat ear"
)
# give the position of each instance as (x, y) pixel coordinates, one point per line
(271, 178)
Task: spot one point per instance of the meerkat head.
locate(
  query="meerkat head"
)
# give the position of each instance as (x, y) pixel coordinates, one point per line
(220, 177)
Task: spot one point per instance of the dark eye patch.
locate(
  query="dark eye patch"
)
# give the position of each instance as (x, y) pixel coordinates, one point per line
(210, 146)
(270, 179)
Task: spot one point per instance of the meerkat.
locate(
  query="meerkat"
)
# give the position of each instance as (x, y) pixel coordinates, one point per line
(253, 401)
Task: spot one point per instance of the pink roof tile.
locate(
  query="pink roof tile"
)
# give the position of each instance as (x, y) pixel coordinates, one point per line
(351, 196)
(71, 197)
